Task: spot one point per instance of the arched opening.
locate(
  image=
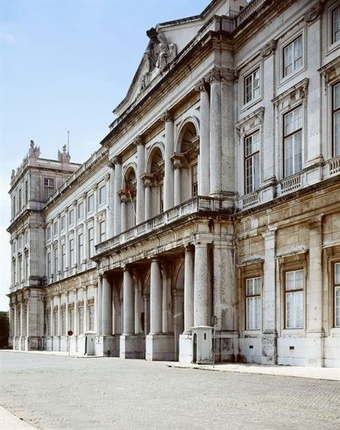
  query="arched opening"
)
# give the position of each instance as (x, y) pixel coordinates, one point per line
(155, 175)
(129, 195)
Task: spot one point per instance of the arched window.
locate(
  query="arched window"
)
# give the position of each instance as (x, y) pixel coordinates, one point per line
(156, 175)
(130, 192)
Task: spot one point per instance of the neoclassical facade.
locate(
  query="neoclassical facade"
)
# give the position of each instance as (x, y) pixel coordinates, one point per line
(207, 224)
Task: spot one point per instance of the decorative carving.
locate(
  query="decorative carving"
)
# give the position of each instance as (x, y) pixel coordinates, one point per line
(64, 157)
(34, 151)
(167, 116)
(201, 85)
(228, 75)
(138, 140)
(167, 51)
(269, 48)
(213, 76)
(314, 13)
(116, 160)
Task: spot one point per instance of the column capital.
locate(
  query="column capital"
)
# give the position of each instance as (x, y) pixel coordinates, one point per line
(201, 86)
(269, 48)
(167, 116)
(313, 14)
(270, 232)
(138, 140)
(315, 222)
(116, 160)
(213, 76)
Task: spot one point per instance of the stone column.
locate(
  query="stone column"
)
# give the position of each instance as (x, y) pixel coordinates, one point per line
(117, 189)
(128, 303)
(214, 78)
(99, 305)
(269, 335)
(165, 299)
(201, 285)
(189, 289)
(314, 293)
(168, 169)
(106, 307)
(177, 181)
(140, 210)
(155, 298)
(204, 149)
(117, 309)
(138, 295)
(147, 186)
(146, 299)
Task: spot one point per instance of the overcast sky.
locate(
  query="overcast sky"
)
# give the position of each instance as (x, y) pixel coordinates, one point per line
(64, 65)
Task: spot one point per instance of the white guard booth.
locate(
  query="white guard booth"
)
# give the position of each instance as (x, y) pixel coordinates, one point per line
(90, 337)
(202, 345)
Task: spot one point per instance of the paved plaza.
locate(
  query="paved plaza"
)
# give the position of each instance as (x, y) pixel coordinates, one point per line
(61, 392)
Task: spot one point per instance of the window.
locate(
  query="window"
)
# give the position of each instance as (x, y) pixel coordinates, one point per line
(252, 162)
(336, 25)
(90, 201)
(56, 268)
(71, 321)
(90, 238)
(80, 248)
(337, 294)
(20, 268)
(292, 57)
(62, 223)
(70, 216)
(48, 233)
(48, 187)
(102, 234)
(80, 320)
(253, 304)
(55, 323)
(292, 135)
(294, 299)
(26, 191)
(63, 257)
(194, 180)
(91, 317)
(161, 197)
(336, 120)
(80, 209)
(63, 322)
(71, 248)
(102, 194)
(49, 272)
(13, 205)
(55, 228)
(26, 256)
(252, 86)
(20, 200)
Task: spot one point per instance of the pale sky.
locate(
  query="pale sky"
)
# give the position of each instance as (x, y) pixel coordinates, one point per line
(64, 65)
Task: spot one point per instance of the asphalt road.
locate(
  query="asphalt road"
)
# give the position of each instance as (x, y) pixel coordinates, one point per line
(60, 392)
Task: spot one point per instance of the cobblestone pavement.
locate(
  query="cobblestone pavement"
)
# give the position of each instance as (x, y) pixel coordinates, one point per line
(60, 392)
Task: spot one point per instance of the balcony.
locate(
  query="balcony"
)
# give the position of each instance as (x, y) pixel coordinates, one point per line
(196, 205)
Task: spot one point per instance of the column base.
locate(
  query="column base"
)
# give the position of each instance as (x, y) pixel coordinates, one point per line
(107, 346)
(132, 346)
(159, 347)
(185, 348)
(269, 348)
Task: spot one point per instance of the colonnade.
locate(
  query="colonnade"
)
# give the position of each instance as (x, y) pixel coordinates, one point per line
(215, 159)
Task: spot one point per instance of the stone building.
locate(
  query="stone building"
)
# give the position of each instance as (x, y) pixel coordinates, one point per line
(213, 200)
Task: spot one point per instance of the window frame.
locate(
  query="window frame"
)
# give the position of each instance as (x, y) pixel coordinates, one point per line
(255, 91)
(335, 36)
(286, 136)
(336, 294)
(294, 292)
(252, 298)
(295, 68)
(256, 183)
(335, 113)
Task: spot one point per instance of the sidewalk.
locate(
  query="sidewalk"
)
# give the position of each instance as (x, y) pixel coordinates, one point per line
(330, 374)
(9, 421)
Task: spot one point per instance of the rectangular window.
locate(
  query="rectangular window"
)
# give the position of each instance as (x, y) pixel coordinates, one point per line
(55, 323)
(90, 201)
(55, 228)
(62, 223)
(294, 299)
(253, 304)
(194, 180)
(292, 57)
(102, 194)
(26, 266)
(70, 216)
(63, 322)
(252, 86)
(252, 162)
(90, 238)
(80, 320)
(63, 257)
(48, 187)
(292, 145)
(71, 248)
(48, 233)
(337, 295)
(336, 120)
(49, 272)
(20, 268)
(13, 206)
(161, 198)
(90, 313)
(71, 321)
(56, 268)
(336, 25)
(80, 248)
(20, 200)
(80, 210)
(102, 231)
(26, 191)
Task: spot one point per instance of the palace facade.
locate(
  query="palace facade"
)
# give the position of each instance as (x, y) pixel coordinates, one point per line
(208, 221)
